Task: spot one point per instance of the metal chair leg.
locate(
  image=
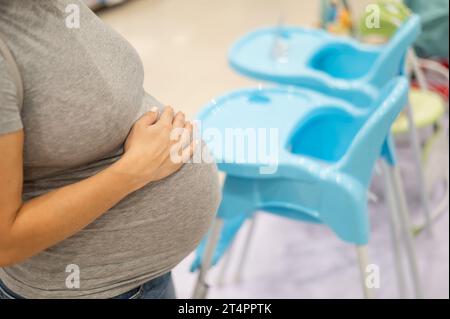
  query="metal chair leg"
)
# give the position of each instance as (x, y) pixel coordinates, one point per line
(245, 250)
(417, 71)
(414, 140)
(405, 225)
(225, 264)
(415, 143)
(393, 227)
(201, 287)
(363, 262)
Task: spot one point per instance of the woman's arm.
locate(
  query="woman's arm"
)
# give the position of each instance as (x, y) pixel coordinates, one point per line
(30, 227)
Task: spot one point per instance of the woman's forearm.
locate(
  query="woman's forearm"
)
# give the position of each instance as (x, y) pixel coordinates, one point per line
(29, 228)
(51, 218)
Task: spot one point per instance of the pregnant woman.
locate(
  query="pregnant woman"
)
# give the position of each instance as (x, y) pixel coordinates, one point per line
(88, 189)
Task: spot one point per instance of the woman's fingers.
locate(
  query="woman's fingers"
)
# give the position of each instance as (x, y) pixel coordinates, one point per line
(183, 136)
(166, 116)
(179, 120)
(149, 118)
(186, 137)
(181, 133)
(182, 151)
(189, 127)
(188, 152)
(178, 127)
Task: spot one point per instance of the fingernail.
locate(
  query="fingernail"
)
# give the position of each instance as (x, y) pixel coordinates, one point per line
(154, 109)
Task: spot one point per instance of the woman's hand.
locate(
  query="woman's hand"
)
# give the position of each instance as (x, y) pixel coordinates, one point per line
(156, 148)
(27, 228)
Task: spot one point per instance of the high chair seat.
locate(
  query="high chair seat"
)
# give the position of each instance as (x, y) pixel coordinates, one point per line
(299, 117)
(322, 168)
(291, 55)
(316, 59)
(326, 158)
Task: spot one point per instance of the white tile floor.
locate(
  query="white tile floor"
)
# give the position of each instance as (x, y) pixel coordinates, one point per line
(183, 45)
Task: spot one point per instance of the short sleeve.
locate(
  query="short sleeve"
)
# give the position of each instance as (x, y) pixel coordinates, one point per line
(10, 115)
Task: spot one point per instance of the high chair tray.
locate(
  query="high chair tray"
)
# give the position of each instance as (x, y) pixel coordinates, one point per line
(249, 129)
(294, 55)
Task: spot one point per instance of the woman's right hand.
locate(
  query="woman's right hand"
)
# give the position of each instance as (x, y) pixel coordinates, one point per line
(27, 228)
(148, 147)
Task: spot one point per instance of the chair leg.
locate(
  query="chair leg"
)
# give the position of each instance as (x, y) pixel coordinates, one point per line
(245, 250)
(420, 76)
(405, 225)
(363, 262)
(201, 287)
(225, 264)
(393, 227)
(414, 140)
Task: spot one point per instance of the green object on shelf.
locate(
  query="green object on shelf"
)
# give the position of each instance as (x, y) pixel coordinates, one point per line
(391, 15)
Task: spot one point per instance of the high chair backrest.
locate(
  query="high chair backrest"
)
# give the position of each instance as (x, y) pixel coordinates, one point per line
(391, 60)
(365, 149)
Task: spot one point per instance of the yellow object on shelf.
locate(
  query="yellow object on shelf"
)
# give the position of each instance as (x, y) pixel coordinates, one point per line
(428, 108)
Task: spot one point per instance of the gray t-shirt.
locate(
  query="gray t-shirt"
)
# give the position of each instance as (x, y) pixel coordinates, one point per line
(82, 94)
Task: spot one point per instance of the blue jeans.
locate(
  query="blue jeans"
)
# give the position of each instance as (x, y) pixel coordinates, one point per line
(158, 288)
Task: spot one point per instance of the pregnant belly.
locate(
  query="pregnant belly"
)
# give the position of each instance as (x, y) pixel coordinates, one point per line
(162, 222)
(169, 216)
(143, 236)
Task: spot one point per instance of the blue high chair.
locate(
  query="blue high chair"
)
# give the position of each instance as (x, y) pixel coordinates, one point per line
(315, 59)
(321, 173)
